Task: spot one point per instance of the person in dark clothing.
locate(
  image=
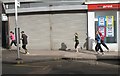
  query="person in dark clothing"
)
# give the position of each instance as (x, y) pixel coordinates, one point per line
(98, 45)
(102, 41)
(24, 42)
(76, 41)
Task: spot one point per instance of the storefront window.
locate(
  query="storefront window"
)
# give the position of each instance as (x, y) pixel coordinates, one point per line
(106, 23)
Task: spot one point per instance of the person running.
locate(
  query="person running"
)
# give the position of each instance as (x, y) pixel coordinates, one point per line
(98, 45)
(76, 42)
(102, 41)
(12, 37)
(24, 42)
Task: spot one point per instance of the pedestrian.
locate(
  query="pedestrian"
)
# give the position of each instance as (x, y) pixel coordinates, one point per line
(24, 42)
(13, 40)
(98, 45)
(76, 41)
(102, 41)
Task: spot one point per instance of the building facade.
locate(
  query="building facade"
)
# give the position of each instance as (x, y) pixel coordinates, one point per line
(49, 24)
(104, 16)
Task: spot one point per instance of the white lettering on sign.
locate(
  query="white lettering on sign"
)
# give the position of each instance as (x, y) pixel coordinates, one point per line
(107, 6)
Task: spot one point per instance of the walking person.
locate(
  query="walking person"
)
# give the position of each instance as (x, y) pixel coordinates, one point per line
(98, 45)
(13, 40)
(24, 42)
(76, 42)
(102, 41)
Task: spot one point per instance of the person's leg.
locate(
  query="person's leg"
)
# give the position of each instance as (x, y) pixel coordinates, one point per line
(96, 47)
(11, 44)
(101, 50)
(24, 47)
(14, 43)
(75, 45)
(103, 43)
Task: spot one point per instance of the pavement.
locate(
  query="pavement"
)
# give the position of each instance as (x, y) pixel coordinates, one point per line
(10, 56)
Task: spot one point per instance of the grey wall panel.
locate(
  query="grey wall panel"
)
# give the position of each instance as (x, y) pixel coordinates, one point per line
(37, 29)
(64, 27)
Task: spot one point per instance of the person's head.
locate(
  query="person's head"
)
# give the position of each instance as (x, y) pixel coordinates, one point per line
(22, 32)
(100, 33)
(11, 32)
(97, 32)
(76, 33)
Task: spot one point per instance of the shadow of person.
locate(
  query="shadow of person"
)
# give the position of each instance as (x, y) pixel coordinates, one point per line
(86, 44)
(63, 46)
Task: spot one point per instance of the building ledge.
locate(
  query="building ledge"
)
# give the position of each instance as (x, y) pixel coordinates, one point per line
(101, 2)
(52, 8)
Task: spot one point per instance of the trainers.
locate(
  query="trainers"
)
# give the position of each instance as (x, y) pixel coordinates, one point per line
(98, 53)
(103, 53)
(107, 50)
(27, 53)
(77, 51)
(10, 49)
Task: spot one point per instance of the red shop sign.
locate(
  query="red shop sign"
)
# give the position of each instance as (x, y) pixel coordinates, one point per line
(103, 6)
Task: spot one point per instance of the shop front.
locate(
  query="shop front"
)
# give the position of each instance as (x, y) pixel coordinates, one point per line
(105, 18)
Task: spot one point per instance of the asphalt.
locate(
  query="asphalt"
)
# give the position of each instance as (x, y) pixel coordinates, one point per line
(11, 57)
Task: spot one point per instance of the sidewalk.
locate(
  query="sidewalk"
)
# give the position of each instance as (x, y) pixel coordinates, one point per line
(10, 56)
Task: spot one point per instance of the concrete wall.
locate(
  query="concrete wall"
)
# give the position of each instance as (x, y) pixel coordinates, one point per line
(63, 27)
(36, 27)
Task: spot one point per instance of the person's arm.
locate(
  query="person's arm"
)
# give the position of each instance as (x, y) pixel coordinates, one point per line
(21, 37)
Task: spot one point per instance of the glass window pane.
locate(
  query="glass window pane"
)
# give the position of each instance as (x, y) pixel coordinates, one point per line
(112, 39)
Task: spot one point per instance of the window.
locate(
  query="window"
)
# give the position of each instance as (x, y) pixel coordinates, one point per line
(109, 31)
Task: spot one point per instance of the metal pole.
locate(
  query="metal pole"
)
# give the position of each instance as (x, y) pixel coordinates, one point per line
(16, 26)
(50, 22)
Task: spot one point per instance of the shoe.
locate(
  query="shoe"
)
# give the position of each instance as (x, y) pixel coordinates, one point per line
(10, 49)
(103, 53)
(77, 51)
(108, 50)
(27, 53)
(98, 53)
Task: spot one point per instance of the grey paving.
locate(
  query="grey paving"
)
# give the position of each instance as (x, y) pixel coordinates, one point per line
(10, 56)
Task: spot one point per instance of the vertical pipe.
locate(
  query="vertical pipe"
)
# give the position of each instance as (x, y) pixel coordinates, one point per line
(118, 28)
(16, 26)
(50, 23)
